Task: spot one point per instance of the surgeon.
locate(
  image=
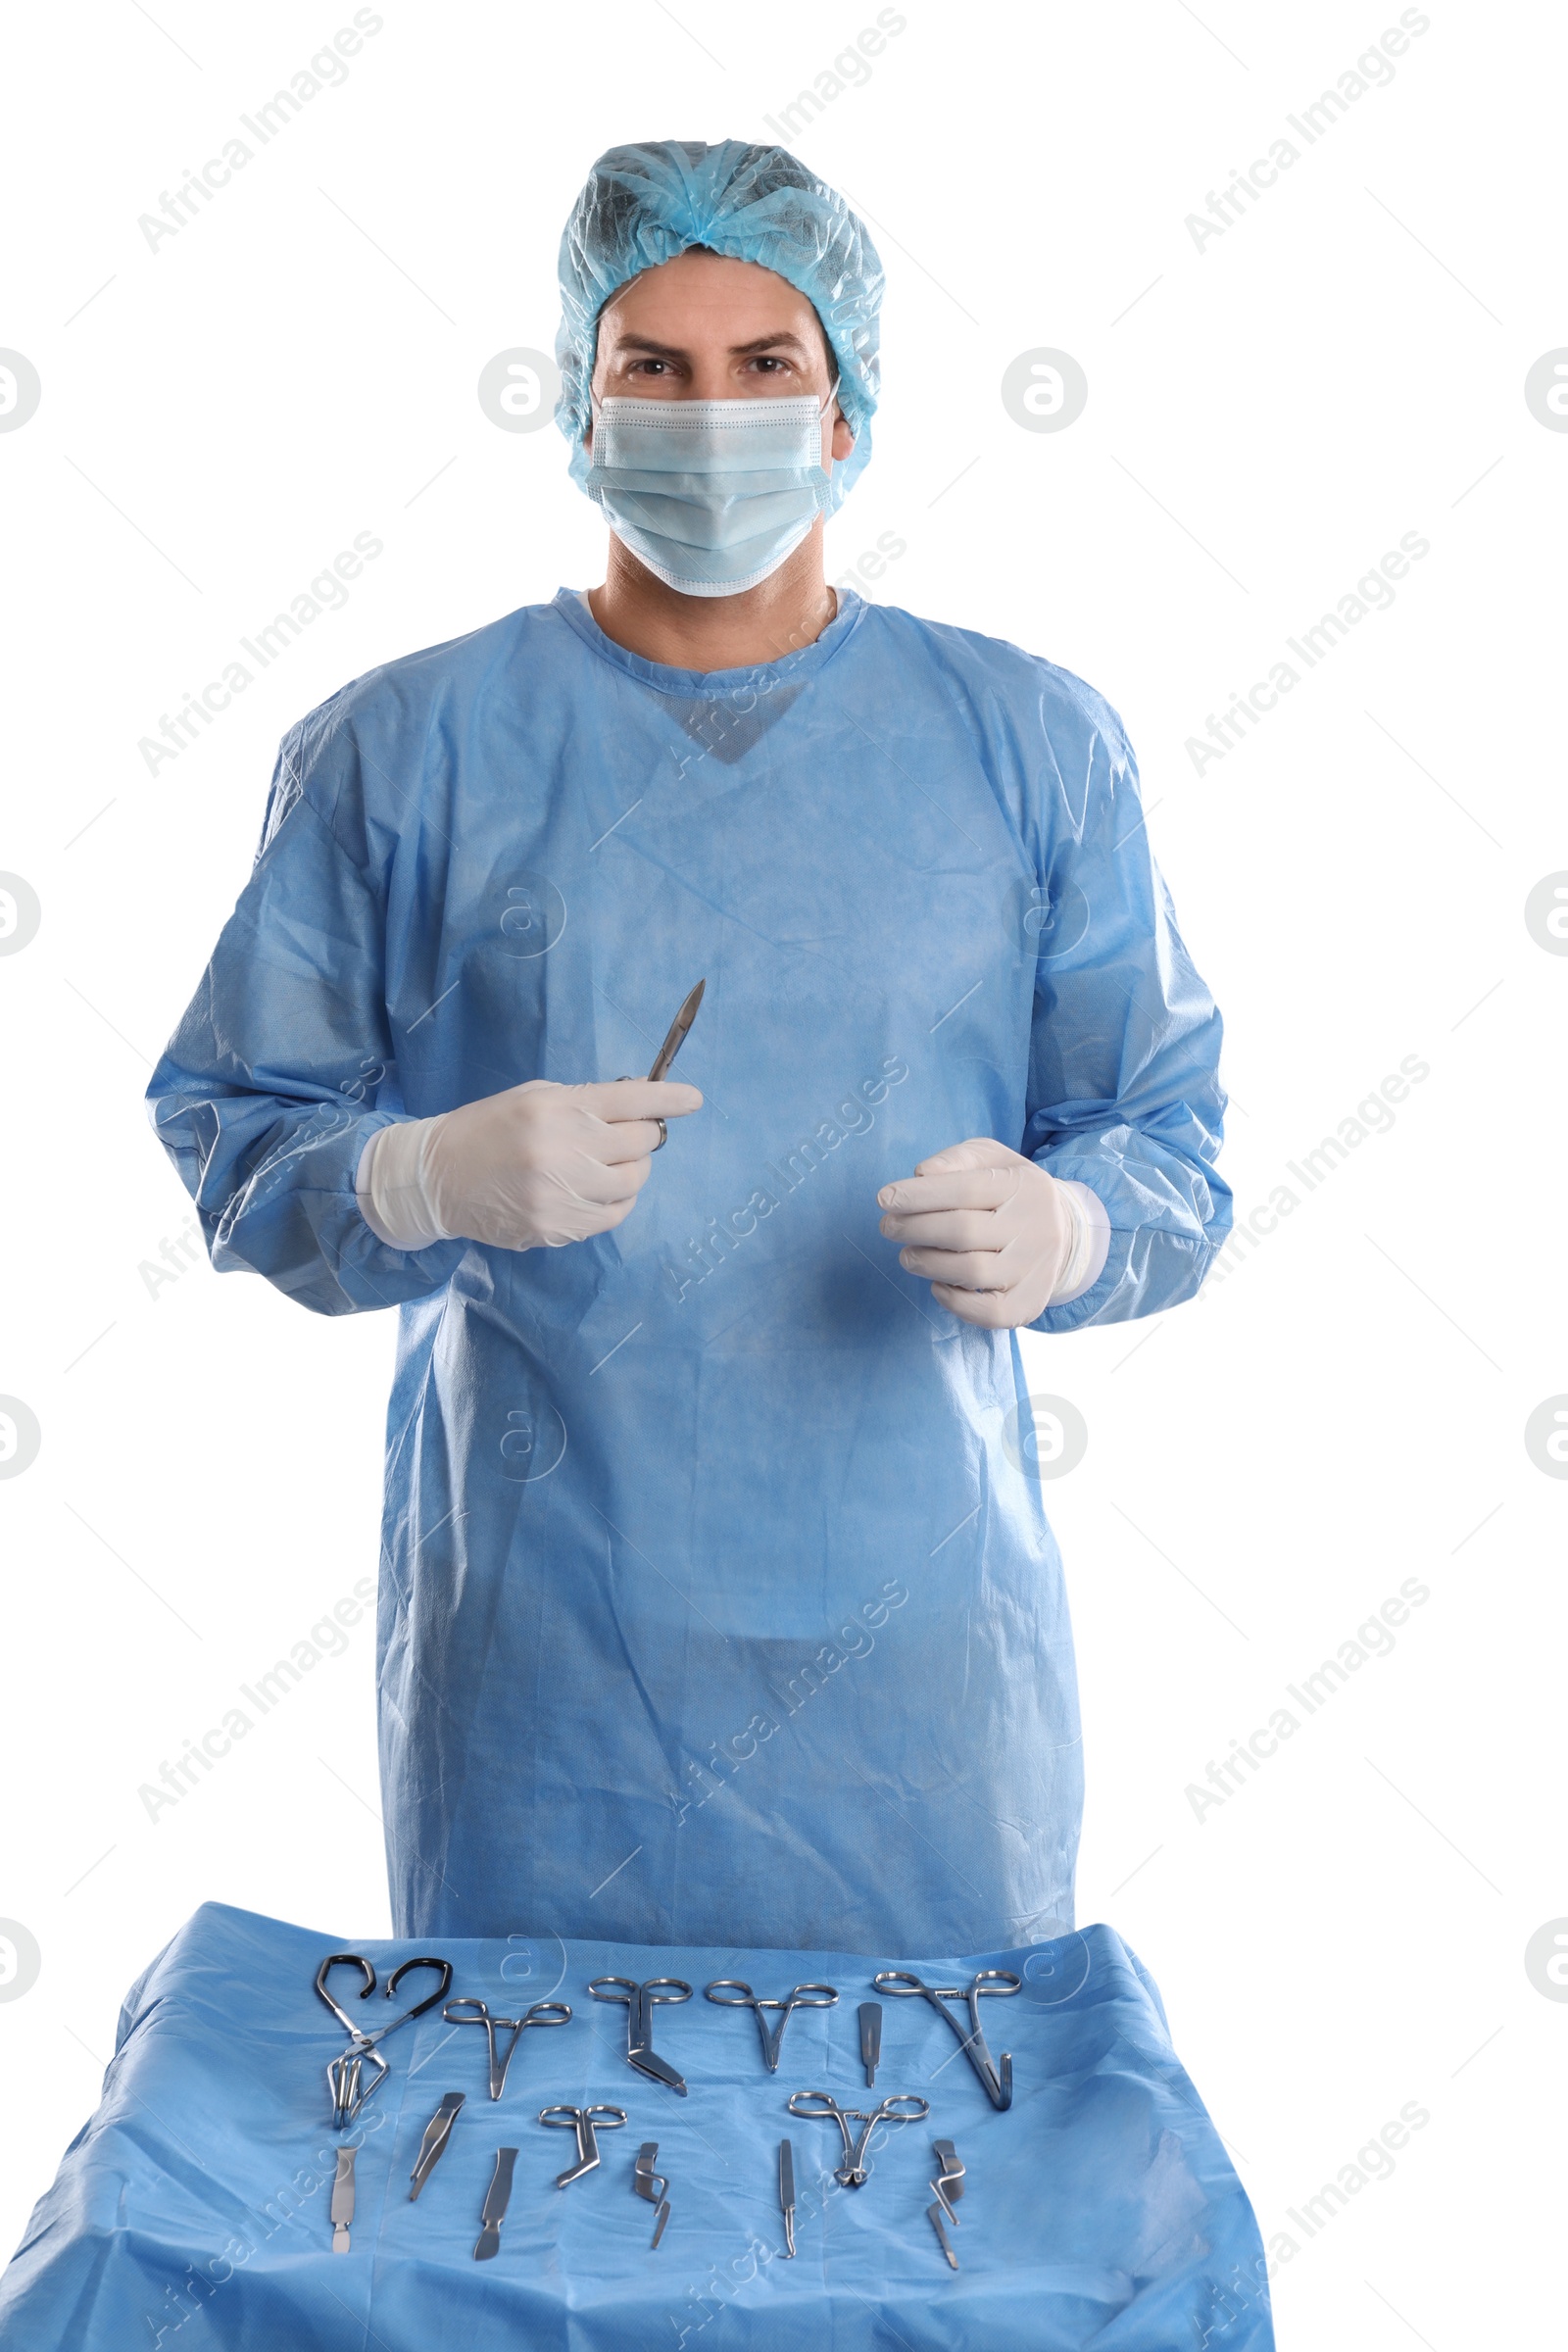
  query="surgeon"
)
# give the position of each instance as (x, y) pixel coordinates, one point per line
(717, 1602)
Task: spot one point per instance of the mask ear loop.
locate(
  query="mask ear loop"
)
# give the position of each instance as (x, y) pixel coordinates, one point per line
(833, 462)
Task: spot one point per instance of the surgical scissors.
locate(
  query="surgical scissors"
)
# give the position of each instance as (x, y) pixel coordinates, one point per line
(581, 2121)
(640, 2002)
(904, 2108)
(731, 1994)
(987, 1982)
(543, 2013)
(344, 2074)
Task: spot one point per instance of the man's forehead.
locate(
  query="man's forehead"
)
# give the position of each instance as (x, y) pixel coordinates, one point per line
(709, 281)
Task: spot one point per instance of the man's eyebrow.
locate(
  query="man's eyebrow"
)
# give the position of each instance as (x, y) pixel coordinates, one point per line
(766, 343)
(675, 350)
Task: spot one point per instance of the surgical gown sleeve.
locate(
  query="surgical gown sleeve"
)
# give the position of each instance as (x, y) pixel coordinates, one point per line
(1124, 1092)
(282, 1067)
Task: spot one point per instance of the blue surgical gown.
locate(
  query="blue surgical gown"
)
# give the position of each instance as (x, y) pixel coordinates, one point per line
(718, 1601)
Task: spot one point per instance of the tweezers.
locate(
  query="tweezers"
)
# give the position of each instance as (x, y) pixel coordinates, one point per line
(437, 2131)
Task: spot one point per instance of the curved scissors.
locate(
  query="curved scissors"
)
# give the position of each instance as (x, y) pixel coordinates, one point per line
(640, 2002)
(987, 1982)
(543, 2013)
(854, 2172)
(345, 2074)
(731, 1994)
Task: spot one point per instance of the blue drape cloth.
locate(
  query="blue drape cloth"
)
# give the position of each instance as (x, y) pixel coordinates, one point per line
(191, 2212)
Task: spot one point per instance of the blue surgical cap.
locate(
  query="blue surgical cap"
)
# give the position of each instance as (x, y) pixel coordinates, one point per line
(643, 204)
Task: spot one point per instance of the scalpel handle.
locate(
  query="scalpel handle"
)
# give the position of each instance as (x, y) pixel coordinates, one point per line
(341, 2210)
(497, 2199)
(870, 2016)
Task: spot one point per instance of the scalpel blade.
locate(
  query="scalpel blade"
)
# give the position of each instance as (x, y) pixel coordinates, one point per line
(676, 1035)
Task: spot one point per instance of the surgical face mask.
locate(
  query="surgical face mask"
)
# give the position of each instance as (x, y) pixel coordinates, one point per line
(713, 495)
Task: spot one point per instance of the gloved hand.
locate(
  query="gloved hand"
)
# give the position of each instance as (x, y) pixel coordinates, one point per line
(998, 1238)
(532, 1168)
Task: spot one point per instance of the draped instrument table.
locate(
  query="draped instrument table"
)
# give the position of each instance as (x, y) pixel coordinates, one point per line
(191, 2211)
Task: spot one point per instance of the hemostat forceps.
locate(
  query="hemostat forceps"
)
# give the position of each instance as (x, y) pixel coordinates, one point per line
(345, 2077)
(854, 2172)
(988, 1982)
(543, 2013)
(640, 2002)
(731, 1994)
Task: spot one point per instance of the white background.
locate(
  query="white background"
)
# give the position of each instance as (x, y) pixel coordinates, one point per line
(1345, 1410)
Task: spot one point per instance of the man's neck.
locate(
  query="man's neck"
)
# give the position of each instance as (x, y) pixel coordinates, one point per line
(788, 609)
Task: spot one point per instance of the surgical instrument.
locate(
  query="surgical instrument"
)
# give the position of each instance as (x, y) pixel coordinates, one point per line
(731, 1994)
(341, 2210)
(639, 2002)
(497, 2197)
(581, 2121)
(675, 1036)
(987, 1982)
(871, 2017)
(344, 2075)
(675, 1039)
(543, 2013)
(437, 2131)
(904, 2107)
(948, 2186)
(646, 2182)
(786, 2195)
(933, 2214)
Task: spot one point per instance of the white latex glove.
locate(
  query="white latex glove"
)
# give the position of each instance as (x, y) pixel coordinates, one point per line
(532, 1168)
(997, 1237)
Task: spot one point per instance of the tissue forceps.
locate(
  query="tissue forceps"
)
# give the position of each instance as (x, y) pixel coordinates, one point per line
(345, 2076)
(986, 1982)
(904, 2108)
(728, 1992)
(543, 2013)
(640, 2002)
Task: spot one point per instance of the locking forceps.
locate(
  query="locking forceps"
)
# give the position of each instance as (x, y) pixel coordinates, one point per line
(475, 2013)
(345, 2076)
(855, 2172)
(987, 1982)
(731, 1994)
(640, 2002)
